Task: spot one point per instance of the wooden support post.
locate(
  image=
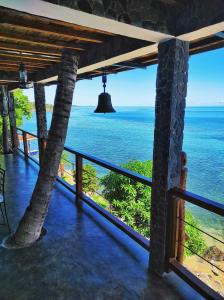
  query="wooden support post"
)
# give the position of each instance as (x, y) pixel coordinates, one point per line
(175, 220)
(181, 211)
(78, 180)
(39, 95)
(12, 122)
(4, 113)
(25, 145)
(171, 88)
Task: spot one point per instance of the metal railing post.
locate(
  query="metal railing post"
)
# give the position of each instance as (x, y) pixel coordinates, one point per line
(25, 145)
(78, 180)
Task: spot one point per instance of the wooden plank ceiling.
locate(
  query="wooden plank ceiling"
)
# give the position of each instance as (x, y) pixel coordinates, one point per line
(38, 41)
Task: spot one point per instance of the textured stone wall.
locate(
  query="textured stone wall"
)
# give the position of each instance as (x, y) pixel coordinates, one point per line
(171, 88)
(151, 14)
(169, 16)
(196, 14)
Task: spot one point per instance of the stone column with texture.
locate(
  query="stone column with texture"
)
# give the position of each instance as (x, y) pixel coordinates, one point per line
(4, 114)
(12, 121)
(171, 89)
(39, 94)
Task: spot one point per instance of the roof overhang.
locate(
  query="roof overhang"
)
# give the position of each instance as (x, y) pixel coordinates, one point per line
(108, 45)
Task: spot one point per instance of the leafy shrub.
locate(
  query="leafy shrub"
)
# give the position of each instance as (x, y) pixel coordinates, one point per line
(194, 240)
(130, 201)
(89, 179)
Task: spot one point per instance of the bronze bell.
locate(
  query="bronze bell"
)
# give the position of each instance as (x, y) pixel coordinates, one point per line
(104, 100)
(104, 104)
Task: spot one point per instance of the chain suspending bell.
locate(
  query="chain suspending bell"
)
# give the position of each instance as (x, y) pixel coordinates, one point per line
(104, 100)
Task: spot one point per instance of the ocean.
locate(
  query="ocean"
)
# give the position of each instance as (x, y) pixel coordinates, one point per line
(128, 134)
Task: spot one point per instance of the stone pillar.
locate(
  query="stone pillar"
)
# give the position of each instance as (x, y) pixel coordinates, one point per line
(4, 113)
(12, 121)
(39, 95)
(171, 89)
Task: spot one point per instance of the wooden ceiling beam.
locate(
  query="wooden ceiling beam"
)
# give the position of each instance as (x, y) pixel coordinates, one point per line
(14, 70)
(29, 57)
(37, 29)
(40, 24)
(25, 60)
(28, 64)
(197, 48)
(39, 41)
(115, 46)
(16, 66)
(29, 49)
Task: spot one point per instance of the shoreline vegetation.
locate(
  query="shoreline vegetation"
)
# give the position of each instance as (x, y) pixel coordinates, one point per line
(136, 214)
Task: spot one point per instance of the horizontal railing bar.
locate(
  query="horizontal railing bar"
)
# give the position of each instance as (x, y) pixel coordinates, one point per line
(132, 175)
(204, 232)
(33, 134)
(141, 240)
(66, 184)
(201, 257)
(203, 202)
(85, 171)
(33, 159)
(194, 281)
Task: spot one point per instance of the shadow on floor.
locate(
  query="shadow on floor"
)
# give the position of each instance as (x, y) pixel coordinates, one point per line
(82, 256)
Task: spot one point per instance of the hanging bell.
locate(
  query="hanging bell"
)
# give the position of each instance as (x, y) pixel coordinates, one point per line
(104, 104)
(104, 100)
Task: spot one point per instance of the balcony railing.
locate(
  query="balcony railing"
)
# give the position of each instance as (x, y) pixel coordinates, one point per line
(176, 195)
(77, 188)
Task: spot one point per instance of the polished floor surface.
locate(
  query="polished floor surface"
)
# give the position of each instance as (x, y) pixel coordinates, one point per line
(82, 256)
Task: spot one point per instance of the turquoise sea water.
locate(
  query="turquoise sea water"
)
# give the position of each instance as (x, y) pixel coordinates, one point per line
(128, 134)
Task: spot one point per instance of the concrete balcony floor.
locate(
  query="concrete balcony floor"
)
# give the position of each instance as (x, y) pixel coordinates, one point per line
(82, 256)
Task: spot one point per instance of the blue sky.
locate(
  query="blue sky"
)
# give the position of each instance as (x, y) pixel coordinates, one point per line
(137, 87)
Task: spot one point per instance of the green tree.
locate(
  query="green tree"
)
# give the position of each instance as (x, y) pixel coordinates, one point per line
(90, 182)
(130, 199)
(194, 238)
(23, 108)
(131, 203)
(63, 162)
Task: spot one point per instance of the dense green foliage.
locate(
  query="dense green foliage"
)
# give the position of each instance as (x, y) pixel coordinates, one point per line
(194, 238)
(64, 158)
(89, 179)
(131, 203)
(22, 107)
(130, 199)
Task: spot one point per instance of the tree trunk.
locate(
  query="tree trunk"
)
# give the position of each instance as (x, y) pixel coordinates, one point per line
(12, 121)
(40, 106)
(4, 112)
(30, 226)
